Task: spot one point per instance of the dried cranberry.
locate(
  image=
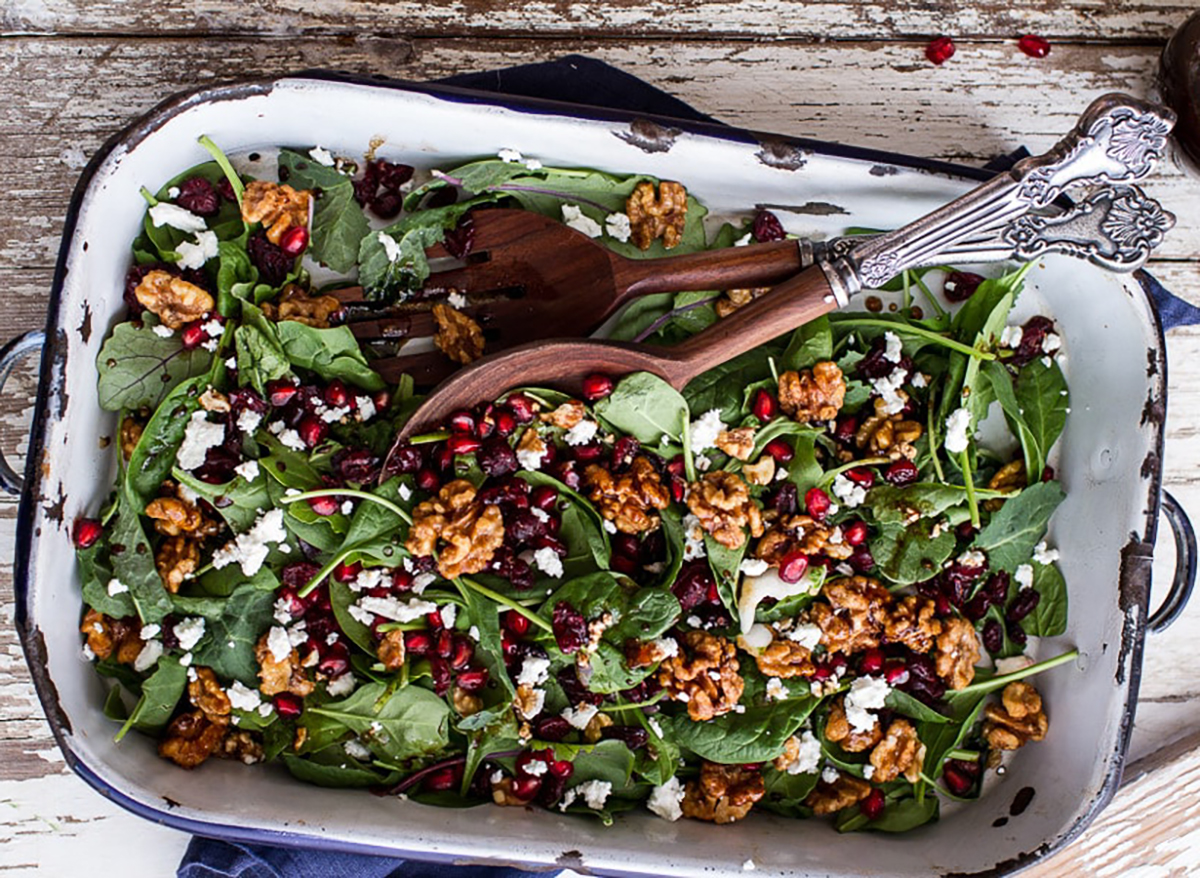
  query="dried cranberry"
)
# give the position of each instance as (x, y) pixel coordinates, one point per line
(960, 581)
(817, 504)
(993, 636)
(625, 450)
(552, 728)
(634, 737)
(1033, 333)
(692, 584)
(1016, 633)
(956, 781)
(902, 472)
(523, 526)
(496, 458)
(575, 691)
(87, 531)
(589, 452)
(780, 450)
(366, 185)
(507, 565)
(862, 560)
(855, 532)
(785, 500)
(625, 565)
(996, 588)
(1025, 603)
(355, 465)
(626, 545)
(568, 473)
(225, 190)
(767, 227)
(961, 285)
(287, 705)
(793, 566)
(298, 574)
(872, 807)
(846, 430)
(199, 196)
(460, 240)
(597, 386)
(1034, 46)
(439, 672)
(976, 608)
(273, 264)
(393, 176)
(405, 459)
(940, 50)
(386, 205)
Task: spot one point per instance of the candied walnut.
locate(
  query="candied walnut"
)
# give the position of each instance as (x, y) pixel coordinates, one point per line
(762, 472)
(783, 658)
(469, 532)
(914, 623)
(853, 619)
(176, 559)
(813, 394)
(242, 746)
(107, 636)
(731, 300)
(722, 502)
(957, 652)
(704, 674)
(628, 500)
(644, 653)
(502, 794)
(723, 793)
(829, 798)
(465, 703)
(212, 400)
(191, 738)
(1010, 477)
(737, 443)
(391, 650)
(839, 730)
(131, 433)
(567, 415)
(277, 206)
(294, 304)
(800, 533)
(458, 336)
(657, 216)
(594, 730)
(172, 299)
(528, 702)
(174, 517)
(280, 676)
(205, 692)
(899, 753)
(888, 435)
(789, 756)
(1018, 719)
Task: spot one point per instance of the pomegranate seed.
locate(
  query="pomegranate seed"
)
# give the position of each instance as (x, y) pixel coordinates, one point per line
(896, 673)
(401, 581)
(860, 475)
(295, 607)
(472, 679)
(1034, 47)
(87, 531)
(312, 430)
(336, 394)
(521, 406)
(427, 480)
(289, 706)
(462, 653)
(767, 227)
(506, 423)
(872, 806)
(780, 450)
(280, 393)
(862, 560)
(199, 196)
(443, 457)
(192, 335)
(901, 473)
(871, 661)
(625, 565)
(485, 423)
(563, 768)
(597, 386)
(336, 661)
(543, 497)
(526, 787)
(445, 643)
(382, 400)
(570, 628)
(678, 488)
(294, 241)
(324, 505)
(439, 671)
(942, 605)
(462, 421)
(956, 781)
(823, 672)
(855, 533)
(817, 503)
(793, 566)
(441, 780)
(764, 406)
(460, 443)
(418, 643)
(676, 466)
(940, 51)
(434, 620)
(516, 623)
(347, 572)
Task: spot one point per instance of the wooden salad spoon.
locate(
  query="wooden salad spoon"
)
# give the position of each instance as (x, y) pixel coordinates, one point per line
(1118, 138)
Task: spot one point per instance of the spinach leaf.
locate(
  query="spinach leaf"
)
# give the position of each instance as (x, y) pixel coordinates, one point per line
(1049, 617)
(133, 565)
(810, 344)
(154, 454)
(725, 563)
(903, 703)
(785, 793)
(892, 505)
(1042, 399)
(161, 691)
(238, 502)
(602, 551)
(609, 761)
(341, 597)
(912, 554)
(645, 406)
(229, 650)
(1002, 389)
(338, 224)
(95, 569)
(139, 368)
(720, 388)
(410, 724)
(331, 353)
(902, 813)
(758, 735)
(331, 767)
(977, 393)
(1009, 538)
(804, 472)
(260, 357)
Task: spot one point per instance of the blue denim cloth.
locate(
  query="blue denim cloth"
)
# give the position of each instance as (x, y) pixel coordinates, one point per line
(563, 80)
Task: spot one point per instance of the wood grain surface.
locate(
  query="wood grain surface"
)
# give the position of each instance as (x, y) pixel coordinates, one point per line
(73, 73)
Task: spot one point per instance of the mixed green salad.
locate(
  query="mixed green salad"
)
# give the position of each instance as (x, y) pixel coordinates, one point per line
(794, 587)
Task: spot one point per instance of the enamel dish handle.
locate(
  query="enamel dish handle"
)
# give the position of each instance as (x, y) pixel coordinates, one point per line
(11, 354)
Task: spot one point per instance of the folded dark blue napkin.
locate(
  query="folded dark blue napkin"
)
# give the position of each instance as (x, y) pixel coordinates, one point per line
(563, 80)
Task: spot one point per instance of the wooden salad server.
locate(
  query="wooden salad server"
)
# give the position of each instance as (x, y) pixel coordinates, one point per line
(1117, 139)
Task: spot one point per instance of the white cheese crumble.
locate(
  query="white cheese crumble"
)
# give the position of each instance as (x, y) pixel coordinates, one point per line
(248, 421)
(693, 536)
(753, 566)
(291, 439)
(866, 694)
(449, 614)
(893, 349)
(609, 526)
(576, 219)
(164, 214)
(1051, 342)
(508, 155)
(189, 631)
(347, 507)
(580, 716)
(533, 164)
(957, 427)
(473, 633)
(664, 800)
(283, 611)
(149, 656)
(195, 255)
(248, 470)
(321, 156)
(848, 491)
(973, 558)
(582, 433)
(744, 240)
(395, 609)
(665, 647)
(279, 644)
(868, 771)
(617, 225)
(242, 697)
(776, 691)
(705, 430)
(149, 632)
(1023, 576)
(422, 581)
(390, 246)
(806, 634)
(250, 549)
(594, 792)
(162, 331)
(198, 437)
(342, 686)
(919, 380)
(534, 671)
(830, 774)
(456, 300)
(888, 388)
(1010, 336)
(1043, 555)
(531, 458)
(808, 759)
(116, 587)
(547, 560)
(366, 408)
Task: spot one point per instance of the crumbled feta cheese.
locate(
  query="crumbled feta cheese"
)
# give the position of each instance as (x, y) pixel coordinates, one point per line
(86, 654)
(530, 459)
(866, 694)
(703, 462)
(291, 439)
(149, 632)
(665, 647)
(705, 430)
(1043, 555)
(693, 536)
(198, 437)
(347, 507)
(283, 611)
(279, 644)
(888, 388)
(808, 759)
(533, 164)
(195, 255)
(580, 716)
(248, 470)
(250, 549)
(456, 300)
(1023, 576)
(339, 687)
(957, 427)
(363, 617)
(242, 697)
(753, 566)
(321, 156)
(162, 331)
(582, 433)
(508, 155)
(830, 774)
(173, 193)
(189, 631)
(365, 406)
(609, 526)
(422, 581)
(536, 767)
(473, 633)
(369, 578)
(547, 560)
(391, 246)
(617, 225)
(868, 771)
(395, 609)
(248, 421)
(404, 492)
(185, 659)
(297, 636)
(919, 380)
(164, 214)
(534, 671)
(893, 350)
(776, 691)
(210, 345)
(664, 800)
(356, 749)
(579, 221)
(694, 621)
(1051, 342)
(449, 614)
(116, 587)
(850, 492)
(149, 656)
(594, 792)
(1010, 336)
(806, 634)
(973, 558)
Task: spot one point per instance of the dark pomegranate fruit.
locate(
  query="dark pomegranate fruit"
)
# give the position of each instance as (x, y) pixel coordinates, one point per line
(961, 285)
(855, 532)
(87, 531)
(552, 728)
(288, 706)
(764, 406)
(272, 262)
(940, 50)
(793, 566)
(786, 499)
(872, 807)
(901, 473)
(780, 450)
(862, 476)
(472, 679)
(957, 781)
(312, 430)
(634, 737)
(443, 780)
(356, 465)
(439, 672)
(767, 227)
(597, 386)
(871, 661)
(460, 240)
(1033, 333)
(199, 196)
(192, 335)
(405, 459)
(294, 241)
(570, 628)
(344, 572)
(817, 503)
(1034, 46)
(418, 643)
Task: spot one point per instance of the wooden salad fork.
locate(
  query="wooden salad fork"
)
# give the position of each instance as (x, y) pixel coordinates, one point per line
(1117, 139)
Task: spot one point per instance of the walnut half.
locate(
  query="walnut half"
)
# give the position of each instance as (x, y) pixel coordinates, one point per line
(469, 531)
(704, 675)
(1017, 720)
(723, 793)
(657, 216)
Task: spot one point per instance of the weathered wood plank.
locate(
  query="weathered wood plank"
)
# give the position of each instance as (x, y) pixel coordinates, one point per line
(76, 92)
(825, 19)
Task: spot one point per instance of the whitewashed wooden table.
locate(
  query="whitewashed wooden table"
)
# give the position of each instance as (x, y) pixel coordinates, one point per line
(72, 72)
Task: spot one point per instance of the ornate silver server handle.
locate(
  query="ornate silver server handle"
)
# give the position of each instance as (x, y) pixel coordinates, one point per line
(1118, 138)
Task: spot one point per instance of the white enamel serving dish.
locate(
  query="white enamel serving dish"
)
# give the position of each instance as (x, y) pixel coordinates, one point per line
(1109, 461)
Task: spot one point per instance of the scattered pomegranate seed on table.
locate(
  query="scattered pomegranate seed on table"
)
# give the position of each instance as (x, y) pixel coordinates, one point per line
(940, 50)
(1034, 46)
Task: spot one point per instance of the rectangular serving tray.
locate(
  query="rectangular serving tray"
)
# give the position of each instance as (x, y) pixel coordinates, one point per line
(1109, 461)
